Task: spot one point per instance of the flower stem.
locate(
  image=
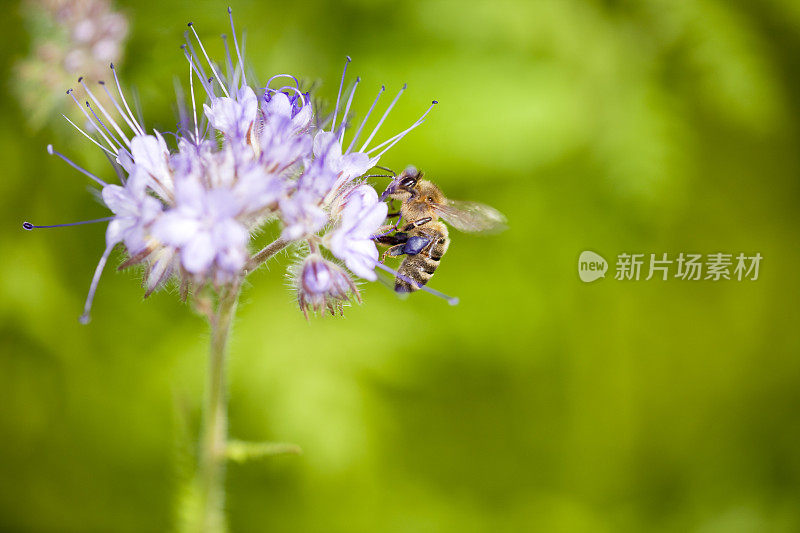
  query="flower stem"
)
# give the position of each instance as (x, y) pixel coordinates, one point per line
(213, 441)
(268, 251)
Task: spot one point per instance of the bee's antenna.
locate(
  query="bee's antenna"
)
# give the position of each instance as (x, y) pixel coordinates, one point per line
(392, 172)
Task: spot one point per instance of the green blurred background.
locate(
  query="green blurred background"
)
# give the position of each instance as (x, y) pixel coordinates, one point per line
(540, 403)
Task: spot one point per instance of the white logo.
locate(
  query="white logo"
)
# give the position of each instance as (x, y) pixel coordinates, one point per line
(591, 266)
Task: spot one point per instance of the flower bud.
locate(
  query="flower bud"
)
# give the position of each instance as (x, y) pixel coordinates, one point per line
(323, 285)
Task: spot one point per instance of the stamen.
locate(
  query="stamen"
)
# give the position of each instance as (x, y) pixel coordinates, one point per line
(363, 122)
(51, 151)
(138, 104)
(118, 108)
(104, 126)
(394, 140)
(296, 82)
(229, 64)
(117, 167)
(30, 226)
(111, 145)
(236, 45)
(195, 58)
(210, 64)
(290, 88)
(339, 96)
(194, 105)
(125, 102)
(180, 100)
(89, 137)
(104, 112)
(452, 300)
(87, 307)
(385, 114)
(198, 72)
(347, 109)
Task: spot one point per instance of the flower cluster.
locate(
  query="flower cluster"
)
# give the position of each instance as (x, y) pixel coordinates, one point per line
(67, 38)
(254, 155)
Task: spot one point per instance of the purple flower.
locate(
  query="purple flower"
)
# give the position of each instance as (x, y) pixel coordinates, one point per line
(203, 228)
(233, 116)
(351, 240)
(133, 212)
(147, 164)
(346, 167)
(301, 215)
(191, 211)
(280, 147)
(277, 106)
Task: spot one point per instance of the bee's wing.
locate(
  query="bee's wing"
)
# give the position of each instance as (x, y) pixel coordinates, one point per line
(472, 217)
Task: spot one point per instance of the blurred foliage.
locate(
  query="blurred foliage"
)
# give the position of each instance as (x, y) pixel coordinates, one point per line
(539, 403)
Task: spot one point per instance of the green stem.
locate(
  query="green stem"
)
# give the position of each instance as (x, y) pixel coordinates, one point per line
(213, 441)
(265, 253)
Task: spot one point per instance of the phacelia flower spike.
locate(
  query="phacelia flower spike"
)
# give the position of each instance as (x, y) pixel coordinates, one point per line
(68, 39)
(244, 159)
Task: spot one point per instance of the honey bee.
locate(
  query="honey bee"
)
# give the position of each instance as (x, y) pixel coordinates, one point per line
(423, 238)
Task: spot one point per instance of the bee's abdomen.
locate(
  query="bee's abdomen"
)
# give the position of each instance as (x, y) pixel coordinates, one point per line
(419, 268)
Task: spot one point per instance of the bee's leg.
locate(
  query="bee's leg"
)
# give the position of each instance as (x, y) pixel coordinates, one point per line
(391, 240)
(417, 223)
(384, 230)
(388, 228)
(395, 250)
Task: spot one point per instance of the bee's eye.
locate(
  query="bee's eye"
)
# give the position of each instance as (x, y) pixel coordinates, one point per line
(408, 182)
(430, 198)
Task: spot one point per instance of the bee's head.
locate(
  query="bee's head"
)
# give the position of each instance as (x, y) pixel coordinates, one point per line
(402, 187)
